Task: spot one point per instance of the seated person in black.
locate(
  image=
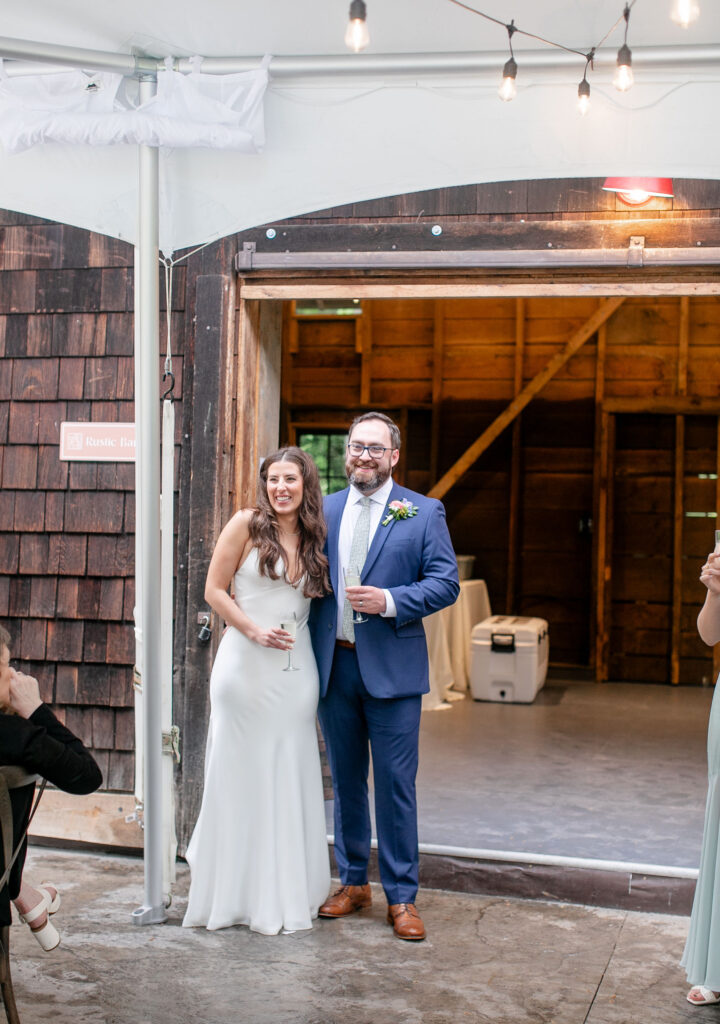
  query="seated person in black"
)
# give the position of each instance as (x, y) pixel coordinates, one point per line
(32, 738)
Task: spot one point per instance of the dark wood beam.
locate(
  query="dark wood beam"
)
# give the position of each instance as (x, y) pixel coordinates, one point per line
(540, 235)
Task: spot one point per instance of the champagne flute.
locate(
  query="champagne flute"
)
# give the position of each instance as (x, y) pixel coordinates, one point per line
(352, 579)
(717, 542)
(289, 624)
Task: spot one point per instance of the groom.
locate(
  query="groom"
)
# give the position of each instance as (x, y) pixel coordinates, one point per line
(373, 674)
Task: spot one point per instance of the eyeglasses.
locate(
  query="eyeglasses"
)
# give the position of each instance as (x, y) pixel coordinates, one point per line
(375, 451)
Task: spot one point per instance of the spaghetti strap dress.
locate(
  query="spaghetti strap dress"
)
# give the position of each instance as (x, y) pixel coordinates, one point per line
(259, 855)
(701, 958)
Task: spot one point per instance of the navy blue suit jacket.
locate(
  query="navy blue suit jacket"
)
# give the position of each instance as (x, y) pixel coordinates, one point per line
(415, 561)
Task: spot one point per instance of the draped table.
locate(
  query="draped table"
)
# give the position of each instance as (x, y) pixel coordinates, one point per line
(448, 639)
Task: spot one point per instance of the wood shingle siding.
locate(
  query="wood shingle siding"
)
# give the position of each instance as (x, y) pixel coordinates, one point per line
(67, 528)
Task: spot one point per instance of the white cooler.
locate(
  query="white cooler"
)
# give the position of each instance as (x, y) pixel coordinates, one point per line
(508, 658)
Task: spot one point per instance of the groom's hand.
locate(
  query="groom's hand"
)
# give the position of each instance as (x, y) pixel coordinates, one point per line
(368, 600)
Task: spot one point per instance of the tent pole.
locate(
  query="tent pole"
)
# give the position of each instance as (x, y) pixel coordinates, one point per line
(147, 482)
(290, 66)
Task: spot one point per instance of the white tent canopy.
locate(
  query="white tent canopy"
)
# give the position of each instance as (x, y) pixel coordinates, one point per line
(418, 109)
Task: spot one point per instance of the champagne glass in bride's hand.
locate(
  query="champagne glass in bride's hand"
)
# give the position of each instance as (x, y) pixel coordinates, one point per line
(289, 624)
(717, 542)
(352, 579)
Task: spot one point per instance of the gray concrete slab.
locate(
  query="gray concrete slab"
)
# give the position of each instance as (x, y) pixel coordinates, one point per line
(616, 771)
(486, 959)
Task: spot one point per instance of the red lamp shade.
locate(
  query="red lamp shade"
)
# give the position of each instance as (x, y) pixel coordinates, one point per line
(637, 191)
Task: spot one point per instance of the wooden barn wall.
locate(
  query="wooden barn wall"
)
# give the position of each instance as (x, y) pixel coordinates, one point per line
(67, 528)
(448, 368)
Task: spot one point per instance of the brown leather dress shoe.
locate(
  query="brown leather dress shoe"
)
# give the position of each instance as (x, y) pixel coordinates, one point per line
(346, 900)
(406, 922)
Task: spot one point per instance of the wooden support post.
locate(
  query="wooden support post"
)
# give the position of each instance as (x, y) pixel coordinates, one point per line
(515, 464)
(363, 345)
(437, 383)
(604, 547)
(678, 512)
(598, 496)
(679, 494)
(683, 344)
(206, 483)
(258, 393)
(293, 332)
(605, 311)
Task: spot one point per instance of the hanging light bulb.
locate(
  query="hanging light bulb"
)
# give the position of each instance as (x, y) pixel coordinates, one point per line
(584, 87)
(623, 77)
(356, 35)
(584, 97)
(684, 11)
(508, 89)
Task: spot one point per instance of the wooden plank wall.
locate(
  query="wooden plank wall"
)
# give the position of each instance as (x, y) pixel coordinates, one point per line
(452, 366)
(67, 529)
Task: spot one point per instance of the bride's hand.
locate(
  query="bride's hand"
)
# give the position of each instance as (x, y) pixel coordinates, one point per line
(710, 573)
(277, 638)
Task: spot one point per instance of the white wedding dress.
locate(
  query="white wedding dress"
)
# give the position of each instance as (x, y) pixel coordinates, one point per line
(259, 854)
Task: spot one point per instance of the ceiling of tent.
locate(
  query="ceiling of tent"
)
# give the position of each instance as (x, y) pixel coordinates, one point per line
(343, 137)
(216, 27)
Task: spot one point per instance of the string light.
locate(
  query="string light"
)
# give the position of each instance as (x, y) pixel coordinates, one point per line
(584, 87)
(684, 11)
(584, 97)
(623, 78)
(508, 89)
(356, 35)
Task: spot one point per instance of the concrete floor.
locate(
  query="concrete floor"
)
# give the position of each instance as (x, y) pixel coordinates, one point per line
(615, 772)
(486, 960)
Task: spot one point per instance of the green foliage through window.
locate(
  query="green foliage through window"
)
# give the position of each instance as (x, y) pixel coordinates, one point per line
(328, 450)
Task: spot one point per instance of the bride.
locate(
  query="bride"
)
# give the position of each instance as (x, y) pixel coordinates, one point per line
(258, 855)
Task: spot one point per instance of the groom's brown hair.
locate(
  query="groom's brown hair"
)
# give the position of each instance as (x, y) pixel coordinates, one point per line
(391, 425)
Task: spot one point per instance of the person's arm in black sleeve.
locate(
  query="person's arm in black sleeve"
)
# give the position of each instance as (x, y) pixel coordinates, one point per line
(34, 739)
(59, 756)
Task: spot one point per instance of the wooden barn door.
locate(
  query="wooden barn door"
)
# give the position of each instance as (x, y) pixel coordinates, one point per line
(663, 502)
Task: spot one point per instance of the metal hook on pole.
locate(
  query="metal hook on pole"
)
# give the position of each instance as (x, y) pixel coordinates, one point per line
(169, 393)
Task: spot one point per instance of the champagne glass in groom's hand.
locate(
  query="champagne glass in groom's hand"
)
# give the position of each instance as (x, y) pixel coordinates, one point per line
(352, 579)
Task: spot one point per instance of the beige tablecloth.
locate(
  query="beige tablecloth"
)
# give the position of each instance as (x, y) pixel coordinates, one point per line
(448, 639)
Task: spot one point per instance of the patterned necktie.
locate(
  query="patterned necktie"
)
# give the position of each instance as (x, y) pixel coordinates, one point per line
(358, 554)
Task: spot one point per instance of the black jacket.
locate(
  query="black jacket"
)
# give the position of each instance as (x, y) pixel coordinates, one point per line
(43, 746)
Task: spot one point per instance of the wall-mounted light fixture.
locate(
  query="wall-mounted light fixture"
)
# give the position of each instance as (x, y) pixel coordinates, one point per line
(638, 191)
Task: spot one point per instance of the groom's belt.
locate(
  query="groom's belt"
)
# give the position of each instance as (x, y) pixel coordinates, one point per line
(346, 644)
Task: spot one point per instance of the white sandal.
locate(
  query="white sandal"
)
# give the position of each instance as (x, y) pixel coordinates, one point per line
(48, 936)
(708, 996)
(52, 901)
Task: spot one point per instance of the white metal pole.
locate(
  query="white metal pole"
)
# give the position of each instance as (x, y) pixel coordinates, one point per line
(166, 633)
(147, 418)
(18, 51)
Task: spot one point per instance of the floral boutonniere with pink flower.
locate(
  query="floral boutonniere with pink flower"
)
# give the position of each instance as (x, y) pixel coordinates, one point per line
(402, 509)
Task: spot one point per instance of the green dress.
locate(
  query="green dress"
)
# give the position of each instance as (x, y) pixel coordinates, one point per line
(701, 958)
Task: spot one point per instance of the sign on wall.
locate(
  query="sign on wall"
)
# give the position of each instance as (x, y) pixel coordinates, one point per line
(97, 442)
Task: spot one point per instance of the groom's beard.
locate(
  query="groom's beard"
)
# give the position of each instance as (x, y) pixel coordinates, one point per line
(368, 484)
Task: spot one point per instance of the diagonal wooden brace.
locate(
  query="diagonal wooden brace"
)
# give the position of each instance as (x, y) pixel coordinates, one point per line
(599, 317)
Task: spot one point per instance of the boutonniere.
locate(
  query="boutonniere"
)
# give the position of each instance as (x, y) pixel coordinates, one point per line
(402, 509)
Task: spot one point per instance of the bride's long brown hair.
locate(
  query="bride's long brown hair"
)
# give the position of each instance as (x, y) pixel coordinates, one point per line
(312, 563)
